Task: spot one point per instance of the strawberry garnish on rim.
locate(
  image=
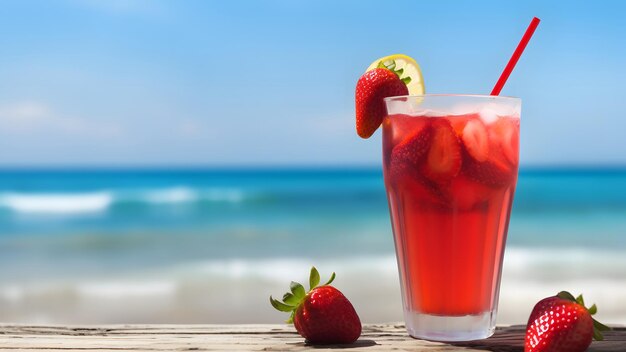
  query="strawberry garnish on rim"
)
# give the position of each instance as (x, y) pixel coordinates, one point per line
(562, 323)
(390, 76)
(323, 315)
(371, 89)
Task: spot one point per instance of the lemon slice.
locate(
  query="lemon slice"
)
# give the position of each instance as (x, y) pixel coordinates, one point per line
(406, 68)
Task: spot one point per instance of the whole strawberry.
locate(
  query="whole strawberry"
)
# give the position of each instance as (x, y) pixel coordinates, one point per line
(371, 89)
(323, 315)
(562, 323)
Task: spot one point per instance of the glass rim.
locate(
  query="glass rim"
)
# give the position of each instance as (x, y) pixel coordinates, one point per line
(435, 95)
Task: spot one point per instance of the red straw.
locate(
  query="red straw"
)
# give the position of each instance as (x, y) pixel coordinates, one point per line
(516, 54)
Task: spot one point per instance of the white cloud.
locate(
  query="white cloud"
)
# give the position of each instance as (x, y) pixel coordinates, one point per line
(28, 118)
(22, 115)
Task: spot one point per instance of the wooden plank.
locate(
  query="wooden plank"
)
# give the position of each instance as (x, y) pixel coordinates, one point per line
(375, 337)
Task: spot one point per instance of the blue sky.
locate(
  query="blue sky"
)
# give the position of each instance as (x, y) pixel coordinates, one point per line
(139, 83)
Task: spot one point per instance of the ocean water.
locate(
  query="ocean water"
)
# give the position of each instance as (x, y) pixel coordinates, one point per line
(211, 245)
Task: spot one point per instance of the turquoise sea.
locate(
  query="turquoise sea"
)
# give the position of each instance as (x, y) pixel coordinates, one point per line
(195, 245)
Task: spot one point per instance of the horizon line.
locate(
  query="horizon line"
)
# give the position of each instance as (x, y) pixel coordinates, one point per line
(279, 167)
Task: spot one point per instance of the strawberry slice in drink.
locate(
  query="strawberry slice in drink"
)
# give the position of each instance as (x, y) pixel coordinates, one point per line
(489, 151)
(409, 140)
(505, 134)
(500, 166)
(407, 156)
(473, 133)
(443, 161)
(423, 193)
(490, 173)
(405, 127)
(466, 194)
(476, 140)
(458, 122)
(412, 148)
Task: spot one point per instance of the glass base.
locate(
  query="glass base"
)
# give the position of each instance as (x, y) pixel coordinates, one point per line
(450, 328)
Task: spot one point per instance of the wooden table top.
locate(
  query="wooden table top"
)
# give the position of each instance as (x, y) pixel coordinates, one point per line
(375, 337)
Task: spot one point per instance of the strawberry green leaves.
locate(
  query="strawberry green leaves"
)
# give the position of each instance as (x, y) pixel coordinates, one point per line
(290, 299)
(566, 295)
(391, 66)
(297, 294)
(332, 278)
(593, 309)
(314, 278)
(280, 306)
(598, 327)
(297, 290)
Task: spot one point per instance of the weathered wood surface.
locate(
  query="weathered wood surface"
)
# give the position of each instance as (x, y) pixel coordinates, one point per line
(375, 337)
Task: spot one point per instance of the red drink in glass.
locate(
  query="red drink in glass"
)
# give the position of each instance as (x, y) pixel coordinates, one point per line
(450, 167)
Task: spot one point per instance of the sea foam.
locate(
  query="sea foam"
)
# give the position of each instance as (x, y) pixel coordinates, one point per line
(182, 194)
(102, 200)
(171, 195)
(57, 203)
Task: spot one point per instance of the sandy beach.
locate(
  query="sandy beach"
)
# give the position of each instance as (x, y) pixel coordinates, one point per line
(237, 291)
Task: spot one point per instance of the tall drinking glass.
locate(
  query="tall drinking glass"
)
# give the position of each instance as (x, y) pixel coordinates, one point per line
(450, 168)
